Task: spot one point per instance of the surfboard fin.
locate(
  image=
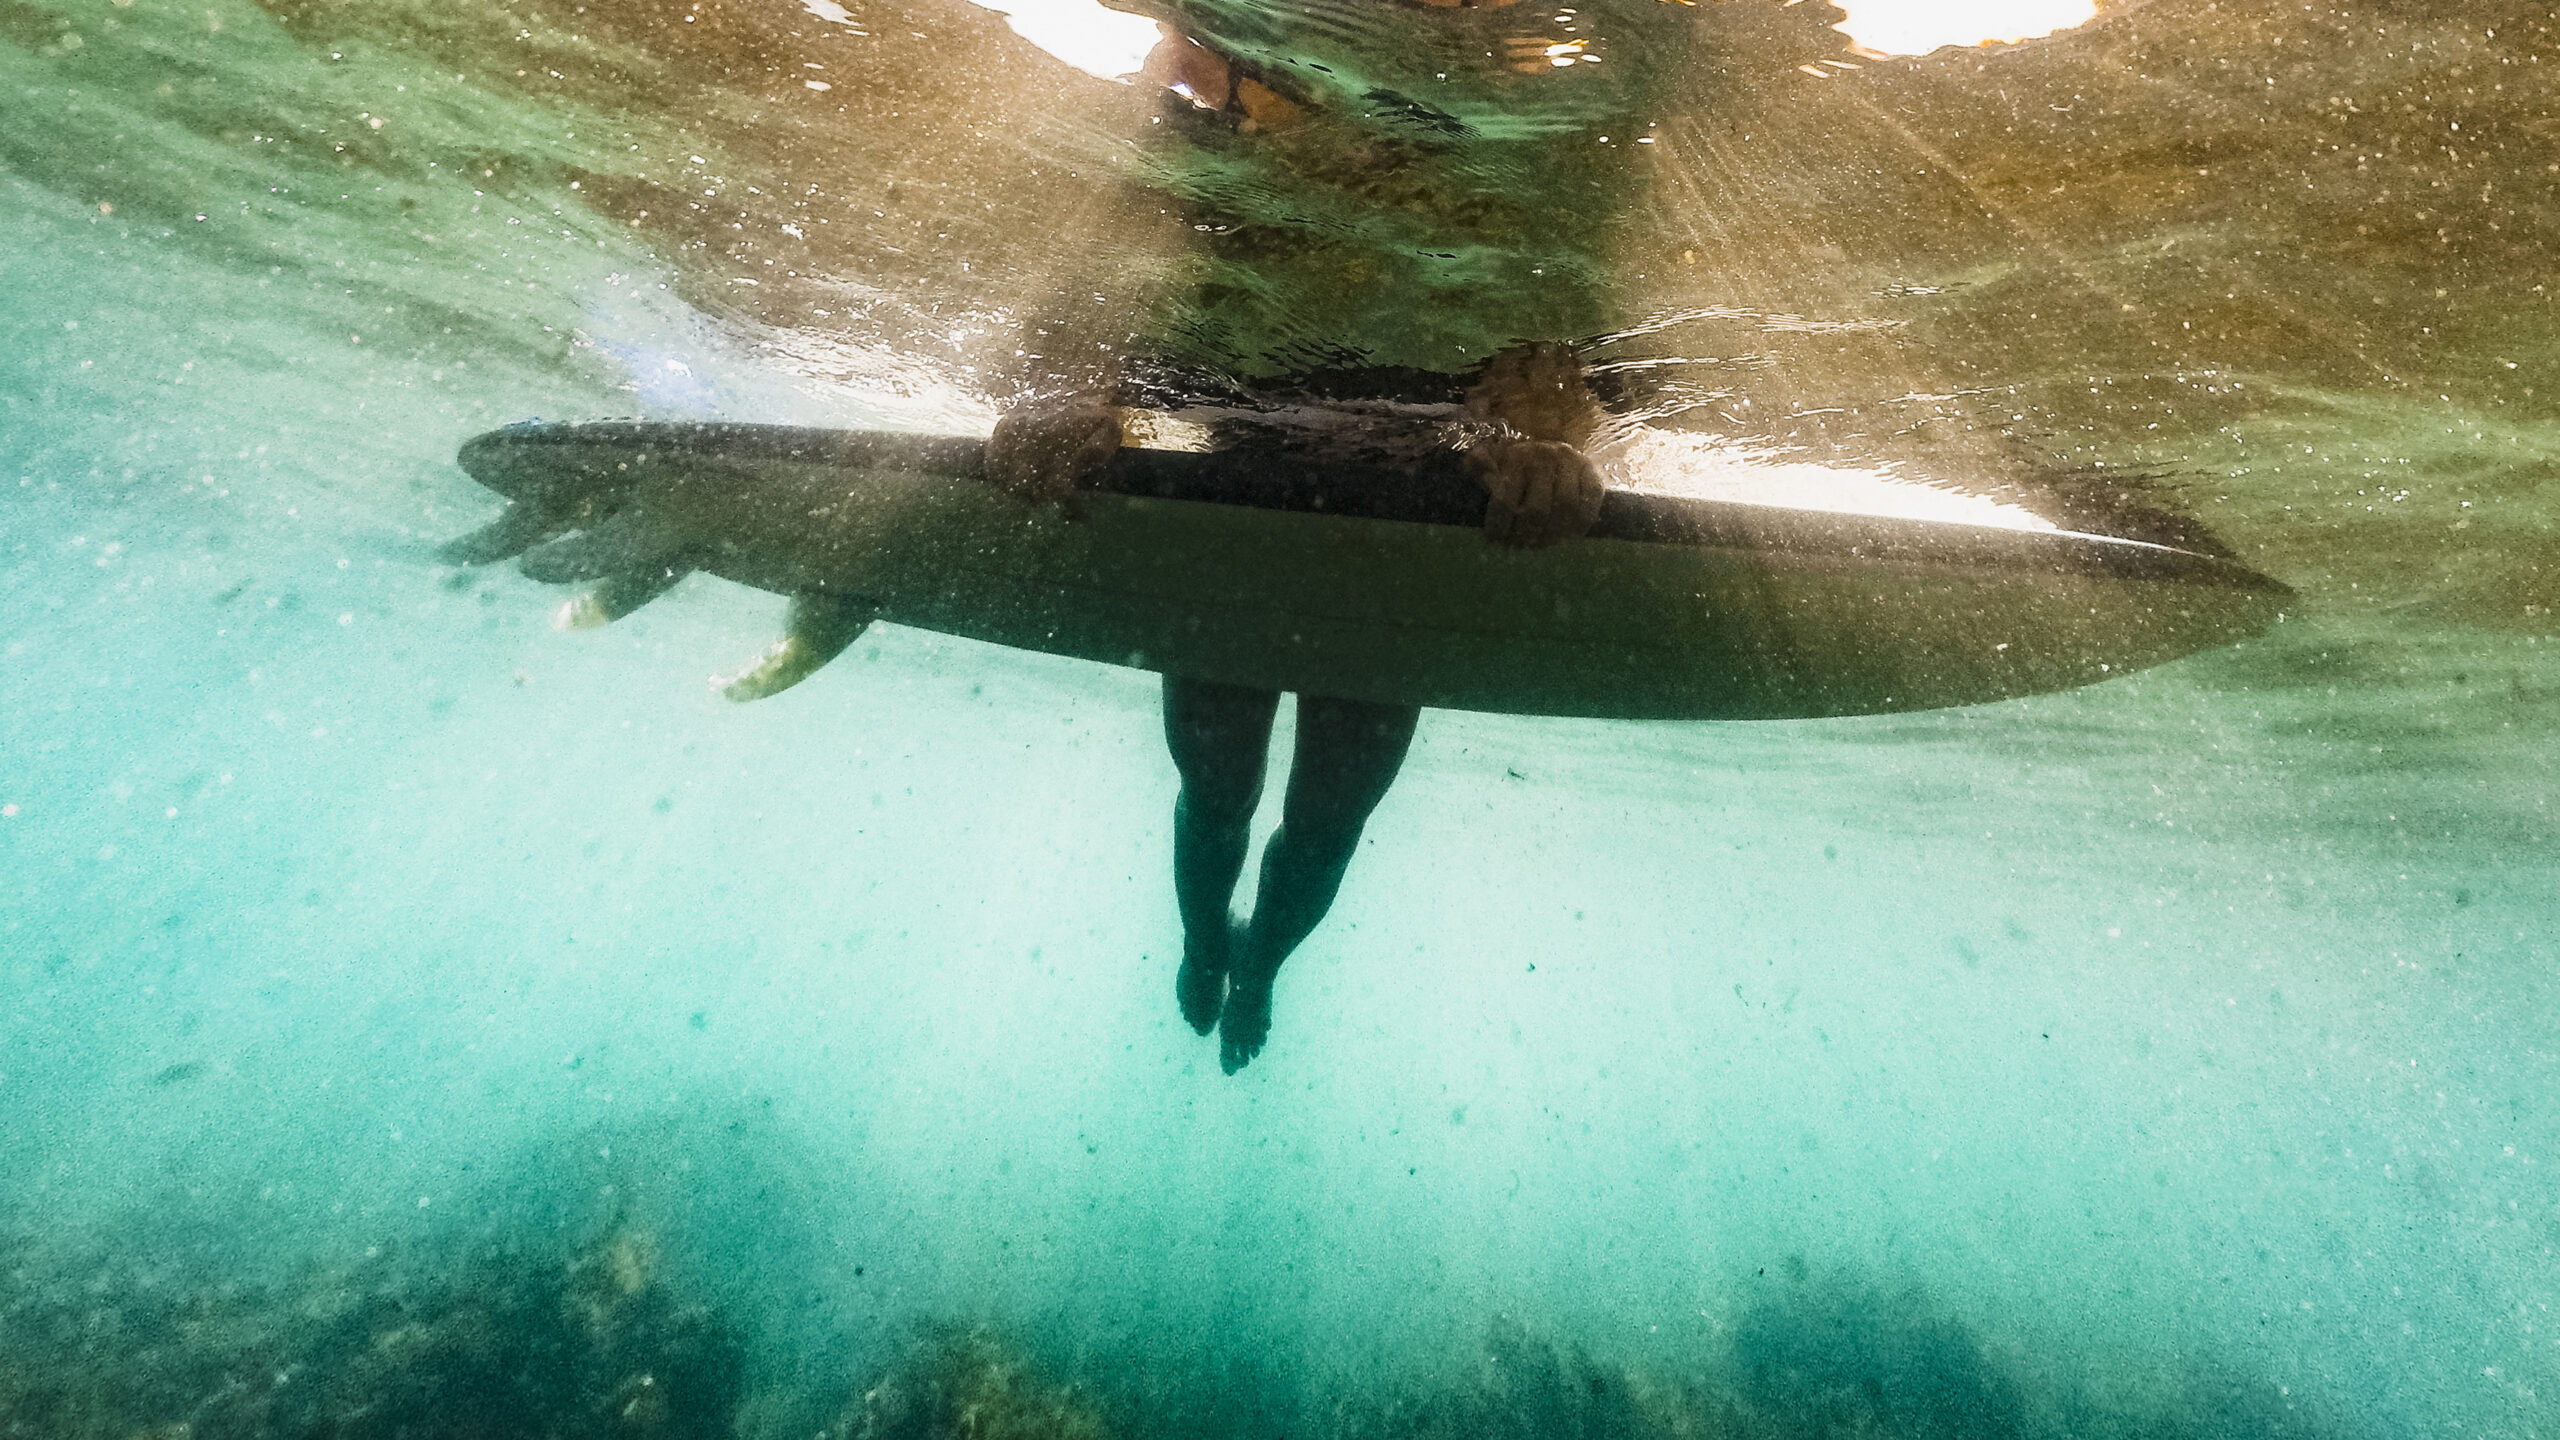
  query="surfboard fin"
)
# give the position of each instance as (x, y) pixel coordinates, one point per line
(616, 597)
(819, 629)
(517, 529)
(629, 543)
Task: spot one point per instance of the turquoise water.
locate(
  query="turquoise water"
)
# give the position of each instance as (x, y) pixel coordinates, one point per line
(2168, 1057)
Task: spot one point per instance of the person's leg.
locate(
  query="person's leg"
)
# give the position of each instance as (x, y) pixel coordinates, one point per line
(1348, 754)
(1220, 736)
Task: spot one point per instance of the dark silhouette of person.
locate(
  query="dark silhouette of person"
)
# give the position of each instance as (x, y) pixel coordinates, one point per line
(1540, 489)
(1428, 181)
(1348, 752)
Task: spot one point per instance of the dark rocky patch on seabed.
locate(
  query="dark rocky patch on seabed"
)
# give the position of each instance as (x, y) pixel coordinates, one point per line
(484, 1340)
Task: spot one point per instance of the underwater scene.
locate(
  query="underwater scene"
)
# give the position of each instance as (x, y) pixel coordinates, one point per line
(428, 1010)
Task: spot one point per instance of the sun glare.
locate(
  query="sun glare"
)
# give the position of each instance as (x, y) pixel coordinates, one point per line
(1092, 37)
(1916, 27)
(1109, 43)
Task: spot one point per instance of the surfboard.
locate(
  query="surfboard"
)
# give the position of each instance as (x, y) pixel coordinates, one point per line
(1363, 580)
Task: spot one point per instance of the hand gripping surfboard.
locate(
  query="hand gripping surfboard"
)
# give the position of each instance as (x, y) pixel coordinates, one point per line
(1365, 581)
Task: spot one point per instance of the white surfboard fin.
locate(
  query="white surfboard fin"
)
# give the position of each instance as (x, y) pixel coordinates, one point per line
(630, 542)
(819, 629)
(616, 597)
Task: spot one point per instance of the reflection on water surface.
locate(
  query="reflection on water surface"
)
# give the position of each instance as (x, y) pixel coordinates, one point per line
(398, 993)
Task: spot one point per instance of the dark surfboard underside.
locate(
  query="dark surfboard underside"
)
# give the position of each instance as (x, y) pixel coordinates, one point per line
(1369, 580)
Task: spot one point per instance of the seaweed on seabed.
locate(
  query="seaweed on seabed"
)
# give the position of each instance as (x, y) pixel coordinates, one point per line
(93, 1338)
(1525, 1388)
(1846, 1359)
(496, 1342)
(595, 1347)
(1833, 1359)
(967, 1382)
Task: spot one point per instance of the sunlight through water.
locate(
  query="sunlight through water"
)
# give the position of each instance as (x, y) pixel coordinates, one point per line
(418, 1023)
(1100, 41)
(1916, 27)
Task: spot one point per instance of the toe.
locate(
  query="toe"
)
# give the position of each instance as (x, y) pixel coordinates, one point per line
(1243, 1026)
(1201, 992)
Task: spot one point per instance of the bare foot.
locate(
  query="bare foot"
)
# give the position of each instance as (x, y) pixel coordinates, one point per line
(1246, 1022)
(1201, 984)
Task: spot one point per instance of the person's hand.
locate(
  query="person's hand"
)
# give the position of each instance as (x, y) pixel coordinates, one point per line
(1538, 491)
(1541, 487)
(1536, 391)
(1040, 451)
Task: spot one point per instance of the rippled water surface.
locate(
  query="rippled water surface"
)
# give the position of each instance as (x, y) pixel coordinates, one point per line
(417, 1021)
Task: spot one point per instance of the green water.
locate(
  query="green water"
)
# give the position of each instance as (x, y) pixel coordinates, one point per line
(2169, 1057)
